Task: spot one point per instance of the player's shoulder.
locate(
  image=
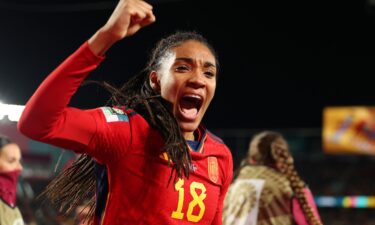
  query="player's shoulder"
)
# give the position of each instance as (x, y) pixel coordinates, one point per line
(214, 137)
(217, 142)
(116, 113)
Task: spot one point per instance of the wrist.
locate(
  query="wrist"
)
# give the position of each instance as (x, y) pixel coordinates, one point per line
(101, 41)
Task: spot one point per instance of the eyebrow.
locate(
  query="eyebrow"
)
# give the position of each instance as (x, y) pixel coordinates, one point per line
(190, 60)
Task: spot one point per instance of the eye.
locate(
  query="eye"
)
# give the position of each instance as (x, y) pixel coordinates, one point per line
(210, 74)
(12, 160)
(182, 68)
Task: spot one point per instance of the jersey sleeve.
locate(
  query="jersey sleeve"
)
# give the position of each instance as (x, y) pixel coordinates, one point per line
(47, 117)
(229, 169)
(112, 137)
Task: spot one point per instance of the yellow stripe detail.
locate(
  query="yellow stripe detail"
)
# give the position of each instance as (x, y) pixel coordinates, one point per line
(106, 202)
(201, 148)
(203, 141)
(165, 156)
(105, 209)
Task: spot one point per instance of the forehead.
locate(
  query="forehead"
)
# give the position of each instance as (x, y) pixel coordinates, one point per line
(10, 150)
(196, 50)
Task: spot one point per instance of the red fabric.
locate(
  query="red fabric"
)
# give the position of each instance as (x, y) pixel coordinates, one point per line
(46, 112)
(298, 215)
(8, 187)
(132, 152)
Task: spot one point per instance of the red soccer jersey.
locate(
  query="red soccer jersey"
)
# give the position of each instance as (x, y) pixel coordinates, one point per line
(138, 169)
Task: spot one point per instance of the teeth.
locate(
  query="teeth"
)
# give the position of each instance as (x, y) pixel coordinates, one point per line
(194, 96)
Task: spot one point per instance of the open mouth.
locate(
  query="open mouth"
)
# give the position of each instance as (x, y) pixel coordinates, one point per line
(190, 105)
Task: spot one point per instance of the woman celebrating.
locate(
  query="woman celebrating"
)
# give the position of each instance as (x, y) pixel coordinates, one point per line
(162, 166)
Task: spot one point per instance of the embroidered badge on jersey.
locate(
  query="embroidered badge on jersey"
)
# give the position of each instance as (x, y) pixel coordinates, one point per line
(114, 114)
(213, 169)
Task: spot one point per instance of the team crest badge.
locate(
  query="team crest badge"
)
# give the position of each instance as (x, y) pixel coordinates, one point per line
(213, 169)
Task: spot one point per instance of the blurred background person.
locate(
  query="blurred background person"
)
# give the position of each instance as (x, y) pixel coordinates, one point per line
(266, 188)
(10, 169)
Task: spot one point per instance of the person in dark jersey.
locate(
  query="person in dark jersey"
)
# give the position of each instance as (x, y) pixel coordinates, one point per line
(10, 169)
(267, 189)
(162, 165)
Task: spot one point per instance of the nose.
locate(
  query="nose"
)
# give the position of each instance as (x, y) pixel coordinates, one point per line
(198, 80)
(19, 166)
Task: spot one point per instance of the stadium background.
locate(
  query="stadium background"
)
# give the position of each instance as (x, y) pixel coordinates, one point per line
(283, 64)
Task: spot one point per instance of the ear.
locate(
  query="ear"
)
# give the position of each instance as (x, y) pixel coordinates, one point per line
(154, 81)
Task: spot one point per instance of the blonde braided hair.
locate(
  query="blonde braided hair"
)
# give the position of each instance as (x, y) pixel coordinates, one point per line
(271, 149)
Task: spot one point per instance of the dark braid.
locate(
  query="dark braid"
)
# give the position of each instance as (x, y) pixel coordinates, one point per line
(65, 191)
(136, 94)
(273, 151)
(286, 164)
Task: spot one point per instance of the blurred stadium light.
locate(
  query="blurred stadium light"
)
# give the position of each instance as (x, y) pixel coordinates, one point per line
(346, 201)
(10, 112)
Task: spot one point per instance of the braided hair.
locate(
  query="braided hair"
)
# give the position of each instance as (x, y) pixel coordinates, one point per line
(66, 192)
(271, 149)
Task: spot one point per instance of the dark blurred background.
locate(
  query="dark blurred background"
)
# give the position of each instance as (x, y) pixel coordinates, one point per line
(282, 63)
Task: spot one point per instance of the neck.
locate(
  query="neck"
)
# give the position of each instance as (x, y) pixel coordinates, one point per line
(189, 136)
